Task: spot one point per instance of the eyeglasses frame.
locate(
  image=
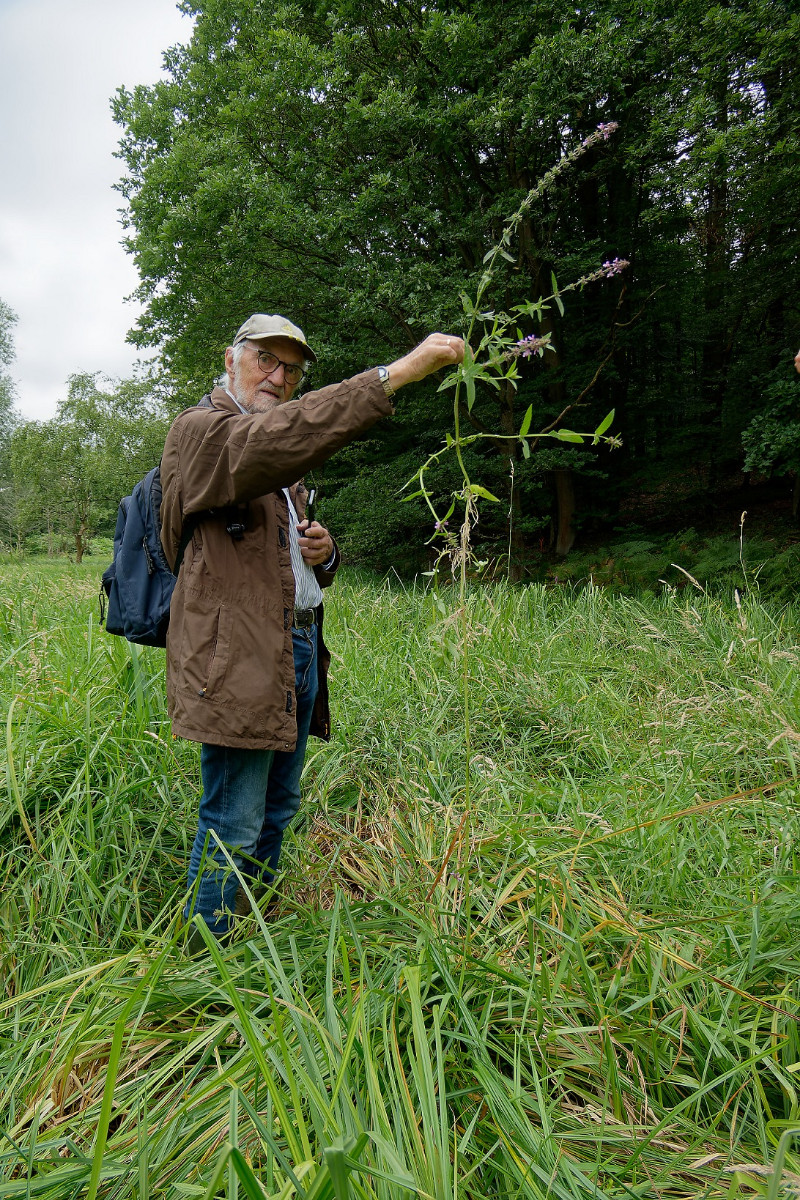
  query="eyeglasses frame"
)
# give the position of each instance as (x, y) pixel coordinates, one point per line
(287, 367)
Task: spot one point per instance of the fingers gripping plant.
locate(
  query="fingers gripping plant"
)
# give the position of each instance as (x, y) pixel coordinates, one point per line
(494, 361)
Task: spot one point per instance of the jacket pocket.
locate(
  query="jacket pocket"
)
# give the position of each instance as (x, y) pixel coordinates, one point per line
(220, 653)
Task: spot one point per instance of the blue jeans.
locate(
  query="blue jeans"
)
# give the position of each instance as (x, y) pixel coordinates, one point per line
(249, 797)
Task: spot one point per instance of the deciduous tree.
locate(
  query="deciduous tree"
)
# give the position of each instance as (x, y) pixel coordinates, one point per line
(350, 166)
(9, 418)
(69, 474)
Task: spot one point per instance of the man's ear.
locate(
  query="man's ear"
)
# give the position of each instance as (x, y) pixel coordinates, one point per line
(229, 361)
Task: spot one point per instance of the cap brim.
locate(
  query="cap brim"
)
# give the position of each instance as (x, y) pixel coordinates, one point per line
(287, 337)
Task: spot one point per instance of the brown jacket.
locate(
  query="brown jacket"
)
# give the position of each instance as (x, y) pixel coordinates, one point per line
(230, 668)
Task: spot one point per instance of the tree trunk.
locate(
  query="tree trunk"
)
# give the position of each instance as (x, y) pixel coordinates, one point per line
(716, 266)
(779, 86)
(565, 502)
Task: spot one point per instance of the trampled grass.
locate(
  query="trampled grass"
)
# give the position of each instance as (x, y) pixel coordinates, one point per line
(584, 986)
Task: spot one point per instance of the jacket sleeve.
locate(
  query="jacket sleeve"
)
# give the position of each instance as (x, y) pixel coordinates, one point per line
(326, 578)
(215, 457)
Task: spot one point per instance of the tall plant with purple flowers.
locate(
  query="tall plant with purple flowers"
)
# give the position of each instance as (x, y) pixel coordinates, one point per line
(494, 346)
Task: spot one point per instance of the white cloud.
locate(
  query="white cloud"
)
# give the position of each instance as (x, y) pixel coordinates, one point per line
(62, 268)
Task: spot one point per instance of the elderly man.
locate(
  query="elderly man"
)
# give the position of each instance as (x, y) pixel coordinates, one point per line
(246, 663)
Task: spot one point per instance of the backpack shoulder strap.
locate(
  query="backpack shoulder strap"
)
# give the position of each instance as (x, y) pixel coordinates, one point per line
(189, 526)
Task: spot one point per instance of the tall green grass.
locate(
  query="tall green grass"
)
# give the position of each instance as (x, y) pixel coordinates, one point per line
(588, 989)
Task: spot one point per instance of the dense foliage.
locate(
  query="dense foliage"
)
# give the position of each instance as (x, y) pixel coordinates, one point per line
(8, 414)
(7, 320)
(67, 475)
(351, 167)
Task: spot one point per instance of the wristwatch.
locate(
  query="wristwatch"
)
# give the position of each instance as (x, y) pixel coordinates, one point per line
(383, 375)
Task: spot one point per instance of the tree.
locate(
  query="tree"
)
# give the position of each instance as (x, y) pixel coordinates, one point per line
(9, 417)
(8, 319)
(35, 495)
(351, 167)
(70, 473)
(772, 439)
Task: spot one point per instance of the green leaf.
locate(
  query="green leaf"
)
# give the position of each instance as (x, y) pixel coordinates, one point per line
(340, 1159)
(477, 490)
(469, 380)
(526, 450)
(604, 424)
(531, 308)
(566, 435)
(526, 422)
(413, 496)
(101, 1136)
(246, 1176)
(554, 283)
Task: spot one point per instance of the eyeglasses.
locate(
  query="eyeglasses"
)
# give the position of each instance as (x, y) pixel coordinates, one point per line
(292, 372)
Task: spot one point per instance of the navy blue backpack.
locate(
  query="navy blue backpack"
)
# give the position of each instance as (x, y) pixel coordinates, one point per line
(139, 582)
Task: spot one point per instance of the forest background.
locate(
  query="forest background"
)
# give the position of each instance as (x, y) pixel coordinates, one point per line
(351, 168)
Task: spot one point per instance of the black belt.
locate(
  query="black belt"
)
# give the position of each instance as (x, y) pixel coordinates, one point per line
(305, 617)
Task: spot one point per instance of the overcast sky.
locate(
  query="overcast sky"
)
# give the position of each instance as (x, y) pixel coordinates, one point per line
(62, 269)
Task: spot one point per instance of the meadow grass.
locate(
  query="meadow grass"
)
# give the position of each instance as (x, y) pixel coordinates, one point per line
(585, 984)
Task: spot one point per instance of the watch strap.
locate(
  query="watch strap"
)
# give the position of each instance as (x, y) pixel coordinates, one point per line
(383, 375)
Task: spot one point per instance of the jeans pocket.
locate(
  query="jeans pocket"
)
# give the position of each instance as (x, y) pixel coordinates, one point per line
(304, 644)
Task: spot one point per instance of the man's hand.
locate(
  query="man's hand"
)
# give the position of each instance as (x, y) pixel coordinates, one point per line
(797, 361)
(316, 544)
(437, 351)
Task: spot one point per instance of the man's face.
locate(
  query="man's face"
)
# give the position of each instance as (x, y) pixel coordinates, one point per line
(255, 390)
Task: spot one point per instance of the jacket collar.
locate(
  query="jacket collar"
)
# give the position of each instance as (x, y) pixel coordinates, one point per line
(220, 399)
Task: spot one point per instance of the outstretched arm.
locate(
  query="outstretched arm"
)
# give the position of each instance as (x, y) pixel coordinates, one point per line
(437, 351)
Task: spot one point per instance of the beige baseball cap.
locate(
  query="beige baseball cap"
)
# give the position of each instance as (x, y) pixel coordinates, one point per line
(261, 326)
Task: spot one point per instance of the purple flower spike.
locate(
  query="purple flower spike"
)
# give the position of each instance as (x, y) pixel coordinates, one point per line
(615, 268)
(529, 345)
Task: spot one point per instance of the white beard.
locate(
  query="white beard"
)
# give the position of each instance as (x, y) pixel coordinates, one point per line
(260, 405)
